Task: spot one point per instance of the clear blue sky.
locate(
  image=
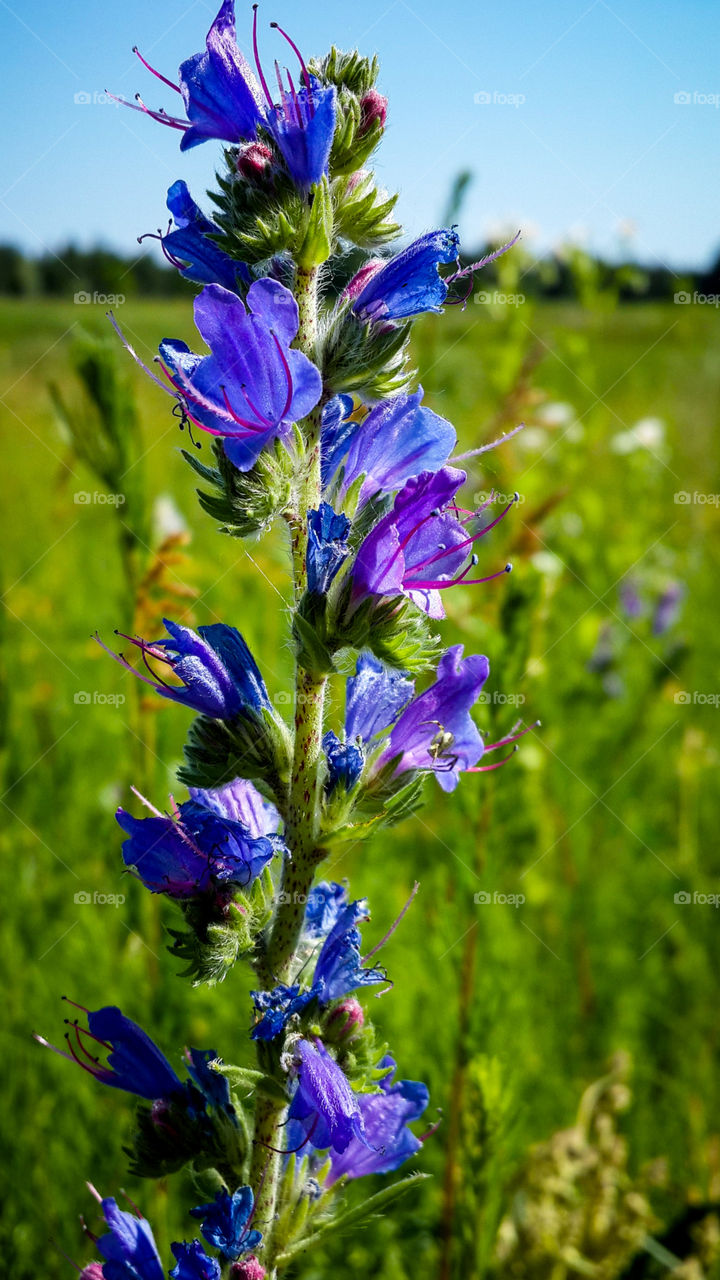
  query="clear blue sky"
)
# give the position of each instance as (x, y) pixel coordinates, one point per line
(598, 138)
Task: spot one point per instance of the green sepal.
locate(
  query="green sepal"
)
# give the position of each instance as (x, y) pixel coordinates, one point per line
(245, 502)
(309, 630)
(205, 1138)
(210, 947)
(392, 627)
(365, 359)
(317, 243)
(352, 1217)
(362, 213)
(252, 745)
(258, 217)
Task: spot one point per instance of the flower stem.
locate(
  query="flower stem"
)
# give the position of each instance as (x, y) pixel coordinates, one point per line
(277, 961)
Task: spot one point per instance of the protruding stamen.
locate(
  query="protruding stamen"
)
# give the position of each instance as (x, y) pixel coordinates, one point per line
(288, 377)
(152, 70)
(263, 81)
(487, 768)
(513, 737)
(243, 422)
(305, 72)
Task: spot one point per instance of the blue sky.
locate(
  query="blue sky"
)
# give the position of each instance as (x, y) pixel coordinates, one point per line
(581, 134)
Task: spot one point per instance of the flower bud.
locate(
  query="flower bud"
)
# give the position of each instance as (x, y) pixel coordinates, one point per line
(93, 1271)
(373, 106)
(248, 1269)
(254, 160)
(345, 1021)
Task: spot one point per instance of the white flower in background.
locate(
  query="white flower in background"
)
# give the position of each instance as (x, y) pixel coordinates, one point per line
(647, 433)
(168, 521)
(555, 413)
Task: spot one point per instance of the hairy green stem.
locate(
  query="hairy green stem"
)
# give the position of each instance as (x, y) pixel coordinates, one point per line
(277, 962)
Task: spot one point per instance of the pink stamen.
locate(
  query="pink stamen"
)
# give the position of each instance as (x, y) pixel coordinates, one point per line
(147, 803)
(439, 584)
(296, 100)
(305, 72)
(504, 742)
(152, 70)
(440, 555)
(263, 81)
(487, 768)
(162, 117)
(260, 416)
(288, 377)
(243, 422)
(285, 102)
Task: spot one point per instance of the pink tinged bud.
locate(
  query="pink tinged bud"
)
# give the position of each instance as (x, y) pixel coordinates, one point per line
(92, 1272)
(358, 282)
(248, 1269)
(349, 1013)
(355, 178)
(373, 106)
(254, 160)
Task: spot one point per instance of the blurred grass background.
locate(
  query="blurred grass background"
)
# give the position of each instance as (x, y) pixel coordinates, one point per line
(607, 812)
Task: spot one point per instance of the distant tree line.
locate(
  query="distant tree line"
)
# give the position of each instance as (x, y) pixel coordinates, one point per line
(72, 270)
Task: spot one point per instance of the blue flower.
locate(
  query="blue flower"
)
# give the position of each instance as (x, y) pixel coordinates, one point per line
(374, 697)
(213, 1085)
(338, 969)
(276, 1007)
(324, 1105)
(436, 731)
(326, 900)
(219, 91)
(345, 762)
(410, 282)
(396, 441)
(136, 1065)
(198, 852)
(389, 1140)
(303, 126)
(190, 248)
(219, 675)
(241, 802)
(337, 433)
(129, 1247)
(223, 100)
(421, 546)
(226, 1223)
(193, 1263)
(254, 385)
(327, 547)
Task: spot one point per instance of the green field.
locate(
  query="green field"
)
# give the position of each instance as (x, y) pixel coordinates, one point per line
(507, 1010)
